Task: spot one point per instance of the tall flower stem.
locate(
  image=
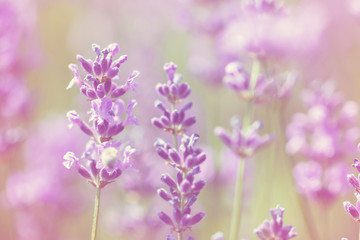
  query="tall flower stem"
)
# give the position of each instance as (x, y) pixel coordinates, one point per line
(96, 214)
(255, 69)
(236, 211)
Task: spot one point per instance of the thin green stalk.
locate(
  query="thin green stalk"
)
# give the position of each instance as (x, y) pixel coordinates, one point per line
(254, 73)
(180, 235)
(236, 211)
(96, 214)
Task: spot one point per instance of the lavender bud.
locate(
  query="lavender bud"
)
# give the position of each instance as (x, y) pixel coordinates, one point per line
(97, 68)
(185, 186)
(112, 72)
(165, 218)
(185, 220)
(164, 194)
(177, 215)
(197, 186)
(188, 122)
(353, 181)
(83, 89)
(168, 180)
(350, 209)
(118, 92)
(107, 86)
(174, 156)
(83, 172)
(175, 117)
(104, 65)
(91, 93)
(85, 63)
(102, 127)
(85, 128)
(93, 168)
(100, 90)
(197, 218)
(179, 177)
(162, 153)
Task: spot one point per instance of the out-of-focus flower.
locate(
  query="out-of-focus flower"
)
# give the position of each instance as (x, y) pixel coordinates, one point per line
(44, 190)
(17, 30)
(321, 184)
(325, 133)
(244, 142)
(274, 228)
(266, 28)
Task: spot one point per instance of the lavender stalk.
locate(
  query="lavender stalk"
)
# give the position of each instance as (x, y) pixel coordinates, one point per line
(104, 158)
(185, 158)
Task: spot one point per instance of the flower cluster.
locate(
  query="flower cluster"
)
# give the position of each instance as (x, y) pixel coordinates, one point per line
(324, 136)
(243, 141)
(186, 159)
(105, 159)
(274, 228)
(354, 211)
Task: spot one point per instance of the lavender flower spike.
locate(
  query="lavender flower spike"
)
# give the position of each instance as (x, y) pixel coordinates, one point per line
(274, 228)
(186, 159)
(104, 159)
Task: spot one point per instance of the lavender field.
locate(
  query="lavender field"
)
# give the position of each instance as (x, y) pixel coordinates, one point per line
(179, 119)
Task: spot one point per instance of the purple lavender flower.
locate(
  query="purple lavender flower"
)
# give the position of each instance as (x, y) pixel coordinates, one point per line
(274, 228)
(186, 159)
(104, 158)
(243, 141)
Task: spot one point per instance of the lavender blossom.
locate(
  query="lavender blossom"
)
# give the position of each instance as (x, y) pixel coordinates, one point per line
(244, 142)
(186, 159)
(104, 158)
(274, 228)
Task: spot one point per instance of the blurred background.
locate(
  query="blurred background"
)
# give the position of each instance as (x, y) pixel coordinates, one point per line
(316, 40)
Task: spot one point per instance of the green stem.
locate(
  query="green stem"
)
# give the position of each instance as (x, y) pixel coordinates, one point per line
(180, 235)
(96, 214)
(236, 212)
(254, 74)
